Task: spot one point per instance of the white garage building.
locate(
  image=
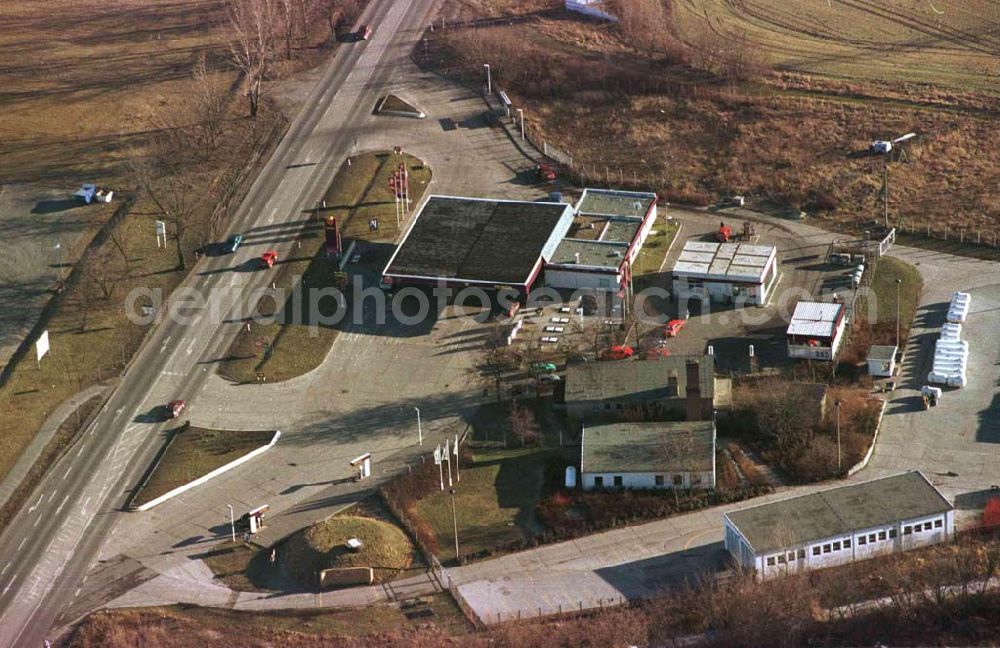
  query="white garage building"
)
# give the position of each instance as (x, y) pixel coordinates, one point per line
(725, 272)
(839, 525)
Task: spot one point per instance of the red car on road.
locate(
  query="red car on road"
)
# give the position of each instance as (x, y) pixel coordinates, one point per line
(268, 259)
(174, 408)
(365, 32)
(545, 173)
(618, 353)
(673, 327)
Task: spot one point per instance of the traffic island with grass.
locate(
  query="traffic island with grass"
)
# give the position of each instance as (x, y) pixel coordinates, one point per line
(300, 321)
(191, 453)
(343, 546)
(393, 105)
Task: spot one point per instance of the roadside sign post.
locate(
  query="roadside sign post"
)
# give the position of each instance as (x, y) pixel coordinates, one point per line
(420, 433)
(458, 478)
(41, 347)
(232, 522)
(161, 234)
(437, 460)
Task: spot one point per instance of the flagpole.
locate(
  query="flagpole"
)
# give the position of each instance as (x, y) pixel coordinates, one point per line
(437, 460)
(447, 457)
(458, 477)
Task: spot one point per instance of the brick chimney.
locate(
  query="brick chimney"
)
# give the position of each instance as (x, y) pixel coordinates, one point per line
(692, 397)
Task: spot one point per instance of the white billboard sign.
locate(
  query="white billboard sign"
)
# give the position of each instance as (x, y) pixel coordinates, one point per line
(42, 345)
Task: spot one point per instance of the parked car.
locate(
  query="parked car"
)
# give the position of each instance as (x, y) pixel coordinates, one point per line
(233, 242)
(549, 378)
(174, 408)
(577, 360)
(618, 352)
(541, 368)
(545, 172)
(673, 327)
(365, 32)
(268, 259)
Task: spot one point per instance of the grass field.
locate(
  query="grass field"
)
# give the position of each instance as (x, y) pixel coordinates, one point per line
(833, 77)
(386, 549)
(194, 452)
(195, 627)
(494, 501)
(358, 194)
(943, 42)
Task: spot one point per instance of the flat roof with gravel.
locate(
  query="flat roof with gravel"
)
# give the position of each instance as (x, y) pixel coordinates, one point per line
(609, 202)
(648, 447)
(479, 240)
(724, 261)
(839, 511)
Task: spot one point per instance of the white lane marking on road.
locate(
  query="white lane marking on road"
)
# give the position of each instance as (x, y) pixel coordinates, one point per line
(32, 508)
(6, 567)
(118, 412)
(62, 505)
(53, 495)
(68, 471)
(37, 520)
(80, 451)
(85, 503)
(191, 346)
(13, 578)
(21, 544)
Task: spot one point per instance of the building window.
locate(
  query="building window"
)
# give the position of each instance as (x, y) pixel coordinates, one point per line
(607, 406)
(937, 524)
(892, 533)
(862, 540)
(927, 526)
(847, 543)
(659, 480)
(802, 554)
(907, 530)
(871, 537)
(678, 480)
(881, 535)
(618, 480)
(770, 561)
(781, 559)
(598, 482)
(836, 546)
(826, 548)
(815, 551)
(791, 556)
(696, 479)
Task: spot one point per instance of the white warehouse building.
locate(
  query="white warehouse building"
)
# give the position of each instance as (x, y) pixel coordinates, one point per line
(725, 272)
(839, 525)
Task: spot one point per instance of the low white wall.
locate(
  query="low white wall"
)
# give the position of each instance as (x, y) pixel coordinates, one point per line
(215, 473)
(868, 455)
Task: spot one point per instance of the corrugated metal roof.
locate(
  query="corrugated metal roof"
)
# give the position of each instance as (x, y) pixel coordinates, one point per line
(814, 319)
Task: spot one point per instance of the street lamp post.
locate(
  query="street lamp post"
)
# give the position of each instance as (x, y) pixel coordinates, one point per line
(489, 80)
(898, 282)
(839, 462)
(420, 433)
(232, 522)
(454, 521)
(520, 114)
(58, 246)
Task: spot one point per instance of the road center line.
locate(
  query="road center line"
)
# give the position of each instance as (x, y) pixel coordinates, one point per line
(14, 578)
(68, 471)
(6, 567)
(23, 540)
(31, 509)
(62, 505)
(53, 495)
(80, 451)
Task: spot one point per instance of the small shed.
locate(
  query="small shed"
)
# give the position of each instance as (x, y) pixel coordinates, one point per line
(882, 361)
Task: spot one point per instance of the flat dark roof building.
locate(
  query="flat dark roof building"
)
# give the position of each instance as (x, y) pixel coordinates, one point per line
(479, 241)
(639, 380)
(838, 511)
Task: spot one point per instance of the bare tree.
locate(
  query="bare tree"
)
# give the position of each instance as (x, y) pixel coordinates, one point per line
(252, 47)
(163, 175)
(523, 424)
(209, 104)
(496, 360)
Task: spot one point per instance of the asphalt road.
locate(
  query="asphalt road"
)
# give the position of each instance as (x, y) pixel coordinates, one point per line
(51, 544)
